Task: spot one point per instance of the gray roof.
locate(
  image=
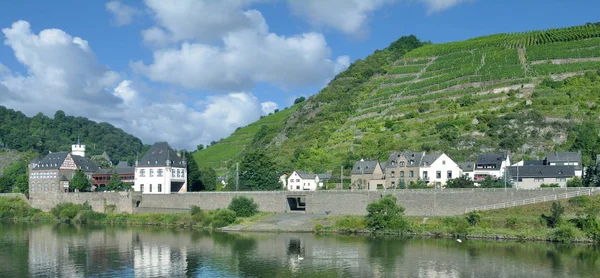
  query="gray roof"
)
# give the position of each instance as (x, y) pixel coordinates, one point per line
(123, 164)
(541, 171)
(306, 175)
(428, 159)
(554, 157)
(533, 162)
(365, 167)
(393, 158)
(55, 160)
(159, 154)
(491, 159)
(468, 166)
(324, 176)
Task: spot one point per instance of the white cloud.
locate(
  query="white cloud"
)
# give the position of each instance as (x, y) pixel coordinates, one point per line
(352, 16)
(63, 74)
(348, 16)
(268, 107)
(123, 14)
(201, 20)
(246, 58)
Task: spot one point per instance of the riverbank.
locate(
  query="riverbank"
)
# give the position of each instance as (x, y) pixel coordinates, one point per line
(525, 223)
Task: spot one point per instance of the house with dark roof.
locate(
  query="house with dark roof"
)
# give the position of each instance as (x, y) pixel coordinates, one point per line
(566, 158)
(437, 169)
(303, 181)
(54, 172)
(125, 171)
(161, 171)
(490, 165)
(402, 167)
(533, 176)
(466, 168)
(367, 174)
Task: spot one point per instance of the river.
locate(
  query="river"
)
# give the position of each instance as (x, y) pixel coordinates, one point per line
(84, 251)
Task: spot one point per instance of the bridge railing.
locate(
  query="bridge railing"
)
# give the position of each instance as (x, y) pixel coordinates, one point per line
(566, 195)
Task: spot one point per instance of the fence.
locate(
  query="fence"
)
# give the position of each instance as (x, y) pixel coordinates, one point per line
(586, 192)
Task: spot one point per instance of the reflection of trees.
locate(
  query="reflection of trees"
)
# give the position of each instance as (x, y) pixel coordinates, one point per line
(14, 254)
(385, 252)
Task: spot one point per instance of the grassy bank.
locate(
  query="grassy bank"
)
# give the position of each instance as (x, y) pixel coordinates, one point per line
(577, 223)
(242, 210)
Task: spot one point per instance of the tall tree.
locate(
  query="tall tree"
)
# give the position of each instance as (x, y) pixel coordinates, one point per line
(208, 178)
(115, 183)
(193, 177)
(257, 172)
(80, 182)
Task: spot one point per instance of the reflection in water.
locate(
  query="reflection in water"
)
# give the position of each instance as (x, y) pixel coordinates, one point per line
(83, 251)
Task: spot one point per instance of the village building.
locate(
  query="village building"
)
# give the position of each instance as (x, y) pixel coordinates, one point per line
(566, 159)
(367, 174)
(303, 181)
(490, 165)
(467, 169)
(125, 171)
(436, 169)
(402, 168)
(534, 176)
(161, 171)
(54, 172)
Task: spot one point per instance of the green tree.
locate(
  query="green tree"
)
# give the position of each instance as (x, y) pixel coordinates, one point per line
(575, 182)
(193, 174)
(101, 162)
(22, 184)
(115, 183)
(208, 179)
(243, 206)
(80, 182)
(257, 172)
(200, 147)
(460, 182)
(385, 214)
(555, 216)
(299, 100)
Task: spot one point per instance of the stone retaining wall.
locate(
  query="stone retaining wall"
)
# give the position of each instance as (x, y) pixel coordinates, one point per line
(123, 201)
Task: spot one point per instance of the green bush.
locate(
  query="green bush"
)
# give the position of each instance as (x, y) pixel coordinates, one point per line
(223, 217)
(512, 222)
(554, 218)
(580, 201)
(350, 224)
(65, 212)
(456, 225)
(564, 233)
(90, 216)
(12, 208)
(549, 185)
(385, 215)
(243, 206)
(473, 218)
(197, 214)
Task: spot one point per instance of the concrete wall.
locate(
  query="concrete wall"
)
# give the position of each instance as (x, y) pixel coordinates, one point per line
(124, 201)
(13, 195)
(267, 201)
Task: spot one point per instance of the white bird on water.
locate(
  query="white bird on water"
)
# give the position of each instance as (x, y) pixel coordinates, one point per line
(300, 258)
(458, 240)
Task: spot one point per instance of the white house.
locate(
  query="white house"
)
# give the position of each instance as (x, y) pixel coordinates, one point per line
(161, 171)
(437, 169)
(490, 165)
(303, 181)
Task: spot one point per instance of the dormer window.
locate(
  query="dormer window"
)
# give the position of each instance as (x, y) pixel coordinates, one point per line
(412, 162)
(426, 164)
(148, 162)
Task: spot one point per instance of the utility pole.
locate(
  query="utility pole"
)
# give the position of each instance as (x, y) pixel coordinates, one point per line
(342, 176)
(237, 175)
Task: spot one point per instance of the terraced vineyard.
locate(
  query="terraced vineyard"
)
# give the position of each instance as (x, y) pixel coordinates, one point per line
(523, 93)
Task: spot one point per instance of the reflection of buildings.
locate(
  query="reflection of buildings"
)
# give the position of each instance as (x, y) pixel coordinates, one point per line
(157, 260)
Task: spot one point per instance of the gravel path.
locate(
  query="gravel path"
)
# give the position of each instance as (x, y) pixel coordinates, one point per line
(283, 222)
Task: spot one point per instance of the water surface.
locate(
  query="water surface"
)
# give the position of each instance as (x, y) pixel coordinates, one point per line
(83, 251)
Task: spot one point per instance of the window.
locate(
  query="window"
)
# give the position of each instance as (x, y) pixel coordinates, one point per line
(401, 163)
(151, 174)
(443, 162)
(412, 174)
(46, 187)
(39, 187)
(53, 188)
(178, 173)
(449, 174)
(297, 187)
(402, 174)
(159, 172)
(412, 162)
(425, 174)
(466, 174)
(33, 188)
(150, 188)
(141, 188)
(172, 173)
(438, 175)
(393, 174)
(159, 187)
(539, 180)
(297, 180)
(561, 179)
(142, 173)
(393, 183)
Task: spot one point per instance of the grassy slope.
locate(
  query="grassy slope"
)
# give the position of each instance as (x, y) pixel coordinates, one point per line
(7, 158)
(482, 94)
(228, 149)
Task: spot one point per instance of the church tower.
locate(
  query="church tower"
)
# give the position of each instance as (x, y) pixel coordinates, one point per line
(78, 149)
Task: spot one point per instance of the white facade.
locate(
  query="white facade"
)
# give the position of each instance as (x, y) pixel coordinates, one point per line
(157, 180)
(478, 173)
(440, 171)
(78, 149)
(297, 183)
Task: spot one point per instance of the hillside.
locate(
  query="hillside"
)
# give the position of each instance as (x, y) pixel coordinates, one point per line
(41, 134)
(526, 93)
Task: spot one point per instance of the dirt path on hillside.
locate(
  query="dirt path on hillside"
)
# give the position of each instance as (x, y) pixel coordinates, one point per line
(566, 61)
(281, 222)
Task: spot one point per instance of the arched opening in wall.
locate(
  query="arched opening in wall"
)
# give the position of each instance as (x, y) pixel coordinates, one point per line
(137, 204)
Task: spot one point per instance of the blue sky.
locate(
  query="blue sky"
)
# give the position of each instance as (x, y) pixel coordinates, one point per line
(202, 68)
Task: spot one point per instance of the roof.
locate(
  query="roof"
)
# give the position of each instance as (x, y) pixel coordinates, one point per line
(393, 158)
(120, 171)
(63, 178)
(306, 175)
(51, 161)
(468, 166)
(491, 158)
(533, 162)
(554, 157)
(159, 154)
(85, 164)
(541, 171)
(429, 159)
(324, 176)
(123, 164)
(365, 167)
